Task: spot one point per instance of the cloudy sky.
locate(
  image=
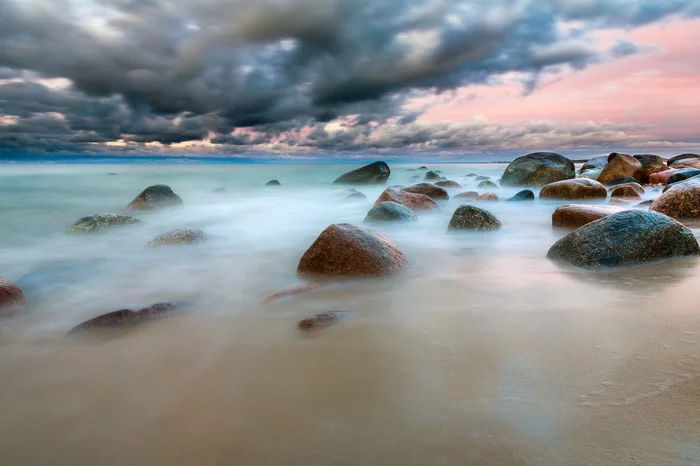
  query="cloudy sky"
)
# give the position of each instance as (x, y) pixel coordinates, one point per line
(320, 76)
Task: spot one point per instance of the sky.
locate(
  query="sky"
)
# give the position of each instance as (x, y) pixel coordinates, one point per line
(294, 77)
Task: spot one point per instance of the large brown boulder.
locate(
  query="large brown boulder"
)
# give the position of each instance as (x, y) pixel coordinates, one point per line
(651, 164)
(155, 197)
(681, 202)
(415, 202)
(538, 169)
(625, 238)
(620, 166)
(10, 294)
(579, 188)
(346, 250)
(374, 173)
(434, 192)
(577, 215)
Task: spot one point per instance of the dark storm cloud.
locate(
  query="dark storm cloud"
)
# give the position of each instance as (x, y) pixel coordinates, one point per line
(174, 70)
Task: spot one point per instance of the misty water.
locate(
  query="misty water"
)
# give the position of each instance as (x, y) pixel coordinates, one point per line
(480, 352)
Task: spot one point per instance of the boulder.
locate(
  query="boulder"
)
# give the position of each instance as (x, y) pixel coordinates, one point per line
(684, 174)
(415, 202)
(178, 237)
(579, 188)
(322, 321)
(127, 317)
(374, 173)
(682, 201)
(524, 195)
(11, 295)
(627, 190)
(538, 169)
(390, 212)
(487, 197)
(682, 157)
(98, 222)
(619, 181)
(347, 250)
(434, 192)
(467, 195)
(625, 238)
(577, 215)
(651, 164)
(482, 178)
(423, 167)
(595, 163)
(619, 166)
(470, 218)
(431, 175)
(487, 185)
(155, 197)
(273, 183)
(662, 177)
(448, 184)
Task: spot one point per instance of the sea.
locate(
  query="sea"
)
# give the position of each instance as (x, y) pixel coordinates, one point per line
(482, 352)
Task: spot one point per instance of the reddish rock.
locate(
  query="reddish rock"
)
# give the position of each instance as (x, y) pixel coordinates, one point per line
(155, 197)
(577, 215)
(415, 202)
(487, 197)
(434, 192)
(467, 195)
(10, 294)
(627, 190)
(620, 166)
(346, 250)
(578, 188)
(127, 317)
(662, 177)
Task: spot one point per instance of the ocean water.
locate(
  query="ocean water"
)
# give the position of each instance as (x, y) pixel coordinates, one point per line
(480, 352)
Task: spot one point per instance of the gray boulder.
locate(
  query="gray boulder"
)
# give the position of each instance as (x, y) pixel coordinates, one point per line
(470, 218)
(626, 238)
(374, 173)
(538, 169)
(390, 212)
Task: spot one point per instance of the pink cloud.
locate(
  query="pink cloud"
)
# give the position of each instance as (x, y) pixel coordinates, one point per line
(657, 92)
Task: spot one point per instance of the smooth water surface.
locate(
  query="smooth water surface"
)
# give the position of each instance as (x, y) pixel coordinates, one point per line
(481, 352)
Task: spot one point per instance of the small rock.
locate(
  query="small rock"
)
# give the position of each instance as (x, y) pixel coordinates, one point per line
(422, 168)
(127, 317)
(273, 183)
(482, 178)
(577, 215)
(578, 188)
(628, 190)
(487, 197)
(470, 218)
(155, 197)
(415, 202)
(524, 195)
(431, 176)
(467, 195)
(390, 212)
(434, 192)
(487, 185)
(178, 237)
(98, 222)
(322, 321)
(11, 295)
(471, 175)
(448, 184)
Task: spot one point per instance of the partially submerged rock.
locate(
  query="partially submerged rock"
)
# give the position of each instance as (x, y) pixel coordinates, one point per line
(467, 195)
(11, 295)
(684, 174)
(487, 185)
(434, 192)
(389, 211)
(415, 202)
(273, 183)
(374, 173)
(681, 202)
(577, 215)
(625, 238)
(487, 197)
(448, 184)
(595, 163)
(470, 218)
(579, 188)
(99, 222)
(344, 250)
(178, 237)
(524, 195)
(431, 175)
(619, 181)
(322, 321)
(155, 197)
(538, 169)
(627, 190)
(127, 317)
